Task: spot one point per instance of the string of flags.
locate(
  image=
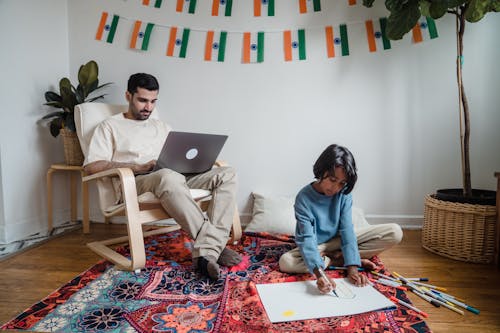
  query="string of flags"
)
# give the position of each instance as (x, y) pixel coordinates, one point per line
(336, 38)
(224, 7)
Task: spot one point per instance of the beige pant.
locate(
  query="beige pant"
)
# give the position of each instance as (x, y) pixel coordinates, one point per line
(372, 240)
(210, 234)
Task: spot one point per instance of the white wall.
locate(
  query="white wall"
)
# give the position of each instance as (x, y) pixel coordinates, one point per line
(34, 56)
(395, 110)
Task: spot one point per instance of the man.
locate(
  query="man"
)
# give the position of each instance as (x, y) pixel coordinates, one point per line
(134, 140)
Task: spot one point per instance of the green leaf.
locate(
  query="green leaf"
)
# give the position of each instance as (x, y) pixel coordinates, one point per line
(400, 22)
(88, 73)
(55, 126)
(438, 9)
(495, 6)
(54, 114)
(396, 5)
(425, 8)
(51, 96)
(95, 98)
(55, 104)
(477, 9)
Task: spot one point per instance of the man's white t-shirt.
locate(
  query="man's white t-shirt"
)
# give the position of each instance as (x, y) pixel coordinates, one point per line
(119, 139)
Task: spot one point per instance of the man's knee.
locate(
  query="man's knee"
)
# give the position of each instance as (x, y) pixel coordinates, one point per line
(169, 180)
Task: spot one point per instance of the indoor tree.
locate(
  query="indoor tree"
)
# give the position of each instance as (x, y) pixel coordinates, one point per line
(404, 15)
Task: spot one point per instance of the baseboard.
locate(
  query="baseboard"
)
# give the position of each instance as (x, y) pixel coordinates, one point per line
(405, 221)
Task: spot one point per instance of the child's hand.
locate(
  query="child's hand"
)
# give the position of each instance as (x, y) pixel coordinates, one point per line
(325, 284)
(359, 280)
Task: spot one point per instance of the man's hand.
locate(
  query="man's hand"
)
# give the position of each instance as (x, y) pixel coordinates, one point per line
(102, 165)
(359, 280)
(144, 168)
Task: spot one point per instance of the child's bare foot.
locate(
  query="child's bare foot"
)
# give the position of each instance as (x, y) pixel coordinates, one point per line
(368, 264)
(336, 258)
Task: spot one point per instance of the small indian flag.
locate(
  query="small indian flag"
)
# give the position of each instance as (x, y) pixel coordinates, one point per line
(263, 7)
(376, 36)
(152, 3)
(294, 43)
(306, 6)
(337, 43)
(186, 6)
(253, 47)
(351, 2)
(141, 35)
(107, 27)
(178, 42)
(425, 29)
(222, 6)
(215, 45)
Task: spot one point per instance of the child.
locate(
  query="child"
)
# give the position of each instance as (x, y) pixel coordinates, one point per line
(325, 233)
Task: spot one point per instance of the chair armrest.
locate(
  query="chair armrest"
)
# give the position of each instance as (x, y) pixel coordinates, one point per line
(220, 163)
(127, 185)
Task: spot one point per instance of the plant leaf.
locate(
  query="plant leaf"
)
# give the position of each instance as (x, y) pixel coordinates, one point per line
(51, 96)
(54, 114)
(478, 8)
(55, 126)
(368, 3)
(55, 104)
(402, 21)
(95, 98)
(88, 73)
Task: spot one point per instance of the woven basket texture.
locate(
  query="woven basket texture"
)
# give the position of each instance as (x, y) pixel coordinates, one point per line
(459, 231)
(72, 151)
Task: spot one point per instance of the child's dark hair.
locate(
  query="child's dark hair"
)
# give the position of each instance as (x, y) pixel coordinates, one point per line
(337, 156)
(142, 80)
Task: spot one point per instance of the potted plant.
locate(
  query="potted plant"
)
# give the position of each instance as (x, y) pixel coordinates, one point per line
(446, 229)
(63, 121)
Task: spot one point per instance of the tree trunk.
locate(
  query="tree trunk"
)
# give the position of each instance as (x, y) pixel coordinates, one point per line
(463, 105)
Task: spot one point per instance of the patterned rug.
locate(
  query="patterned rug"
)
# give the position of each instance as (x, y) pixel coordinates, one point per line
(169, 296)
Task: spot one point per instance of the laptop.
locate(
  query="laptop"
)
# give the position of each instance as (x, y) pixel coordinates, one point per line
(190, 153)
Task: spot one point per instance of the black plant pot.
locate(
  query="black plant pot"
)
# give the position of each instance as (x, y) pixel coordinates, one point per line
(479, 197)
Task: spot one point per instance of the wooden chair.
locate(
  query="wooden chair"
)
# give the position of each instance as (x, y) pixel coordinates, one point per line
(137, 210)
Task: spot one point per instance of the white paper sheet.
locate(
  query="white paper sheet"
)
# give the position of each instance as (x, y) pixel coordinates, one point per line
(302, 300)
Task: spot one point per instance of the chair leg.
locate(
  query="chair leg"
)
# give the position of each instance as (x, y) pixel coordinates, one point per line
(236, 228)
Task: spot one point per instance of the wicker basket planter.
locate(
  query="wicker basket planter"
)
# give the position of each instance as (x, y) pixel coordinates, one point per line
(72, 150)
(459, 231)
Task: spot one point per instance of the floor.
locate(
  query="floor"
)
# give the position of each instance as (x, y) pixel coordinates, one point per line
(34, 273)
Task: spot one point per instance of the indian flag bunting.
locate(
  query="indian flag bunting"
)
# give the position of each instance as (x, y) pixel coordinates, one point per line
(425, 29)
(107, 27)
(294, 43)
(141, 35)
(178, 42)
(222, 6)
(375, 34)
(253, 47)
(152, 3)
(215, 45)
(351, 2)
(307, 6)
(263, 6)
(186, 6)
(337, 43)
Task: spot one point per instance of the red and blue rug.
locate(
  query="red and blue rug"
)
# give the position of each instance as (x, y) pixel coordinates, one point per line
(169, 296)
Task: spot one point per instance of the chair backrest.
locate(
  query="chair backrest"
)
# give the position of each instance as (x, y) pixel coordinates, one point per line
(87, 117)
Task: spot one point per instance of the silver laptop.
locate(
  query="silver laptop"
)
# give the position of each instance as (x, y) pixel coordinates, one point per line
(190, 153)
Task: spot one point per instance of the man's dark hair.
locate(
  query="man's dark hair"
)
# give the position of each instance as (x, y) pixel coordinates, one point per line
(142, 80)
(336, 156)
